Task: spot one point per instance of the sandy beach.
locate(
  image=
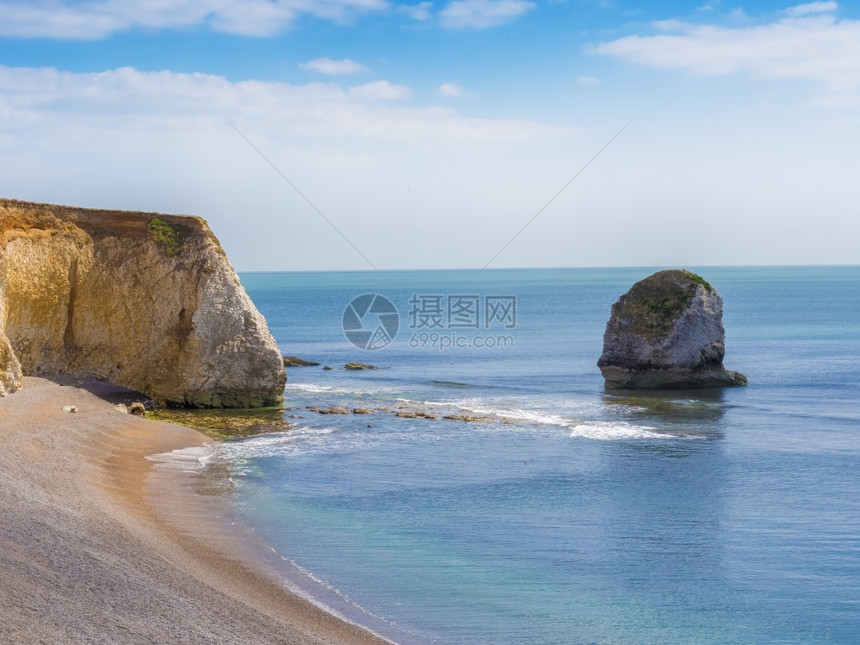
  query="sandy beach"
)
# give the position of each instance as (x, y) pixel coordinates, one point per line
(98, 545)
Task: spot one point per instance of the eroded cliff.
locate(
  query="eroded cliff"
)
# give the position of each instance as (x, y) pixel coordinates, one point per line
(138, 299)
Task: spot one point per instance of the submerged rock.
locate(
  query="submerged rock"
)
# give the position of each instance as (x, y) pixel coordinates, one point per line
(332, 410)
(415, 414)
(141, 300)
(295, 361)
(667, 332)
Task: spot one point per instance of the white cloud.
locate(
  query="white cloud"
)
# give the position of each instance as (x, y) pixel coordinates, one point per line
(70, 20)
(167, 101)
(587, 80)
(807, 43)
(452, 91)
(379, 91)
(334, 67)
(422, 11)
(480, 14)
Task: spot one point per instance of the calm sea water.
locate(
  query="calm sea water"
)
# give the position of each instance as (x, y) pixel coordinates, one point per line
(574, 515)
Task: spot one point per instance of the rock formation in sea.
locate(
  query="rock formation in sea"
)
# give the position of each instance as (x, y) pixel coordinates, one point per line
(667, 332)
(142, 300)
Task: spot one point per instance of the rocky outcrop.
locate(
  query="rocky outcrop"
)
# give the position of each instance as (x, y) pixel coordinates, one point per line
(667, 332)
(146, 301)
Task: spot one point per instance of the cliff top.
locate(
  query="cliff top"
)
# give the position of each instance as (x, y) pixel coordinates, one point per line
(16, 214)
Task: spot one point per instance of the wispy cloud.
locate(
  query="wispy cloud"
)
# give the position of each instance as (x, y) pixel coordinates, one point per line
(422, 11)
(452, 91)
(587, 80)
(161, 102)
(811, 8)
(480, 14)
(331, 67)
(806, 42)
(71, 20)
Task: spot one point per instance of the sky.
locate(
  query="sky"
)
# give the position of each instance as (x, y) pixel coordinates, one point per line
(378, 134)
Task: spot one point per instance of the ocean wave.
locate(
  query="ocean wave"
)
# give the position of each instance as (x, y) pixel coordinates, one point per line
(614, 430)
(314, 388)
(311, 388)
(571, 412)
(279, 444)
(527, 416)
(449, 384)
(189, 459)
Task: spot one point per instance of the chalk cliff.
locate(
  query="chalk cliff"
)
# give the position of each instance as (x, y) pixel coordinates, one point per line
(667, 332)
(141, 300)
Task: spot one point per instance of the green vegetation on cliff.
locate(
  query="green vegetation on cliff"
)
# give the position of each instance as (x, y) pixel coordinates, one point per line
(170, 236)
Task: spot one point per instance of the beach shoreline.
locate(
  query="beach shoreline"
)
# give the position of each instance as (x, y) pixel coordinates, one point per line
(99, 544)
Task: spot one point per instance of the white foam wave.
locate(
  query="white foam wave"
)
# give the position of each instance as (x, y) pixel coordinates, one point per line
(274, 445)
(189, 459)
(314, 388)
(308, 387)
(531, 405)
(613, 431)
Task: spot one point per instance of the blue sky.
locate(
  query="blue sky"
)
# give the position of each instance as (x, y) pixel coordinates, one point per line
(430, 133)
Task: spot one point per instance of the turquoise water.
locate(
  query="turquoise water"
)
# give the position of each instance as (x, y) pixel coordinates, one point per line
(572, 515)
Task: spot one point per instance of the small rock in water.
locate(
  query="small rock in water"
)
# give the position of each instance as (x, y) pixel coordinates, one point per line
(331, 410)
(414, 414)
(359, 366)
(469, 418)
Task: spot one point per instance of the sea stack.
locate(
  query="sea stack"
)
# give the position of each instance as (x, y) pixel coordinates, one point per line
(667, 332)
(143, 300)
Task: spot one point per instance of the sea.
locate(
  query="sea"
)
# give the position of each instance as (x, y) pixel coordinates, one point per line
(548, 510)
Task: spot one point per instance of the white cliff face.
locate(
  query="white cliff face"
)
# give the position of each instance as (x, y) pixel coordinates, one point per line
(155, 307)
(667, 332)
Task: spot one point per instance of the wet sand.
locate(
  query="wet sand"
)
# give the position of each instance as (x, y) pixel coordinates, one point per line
(99, 545)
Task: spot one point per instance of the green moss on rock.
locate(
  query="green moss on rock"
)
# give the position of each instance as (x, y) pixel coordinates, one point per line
(226, 424)
(654, 304)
